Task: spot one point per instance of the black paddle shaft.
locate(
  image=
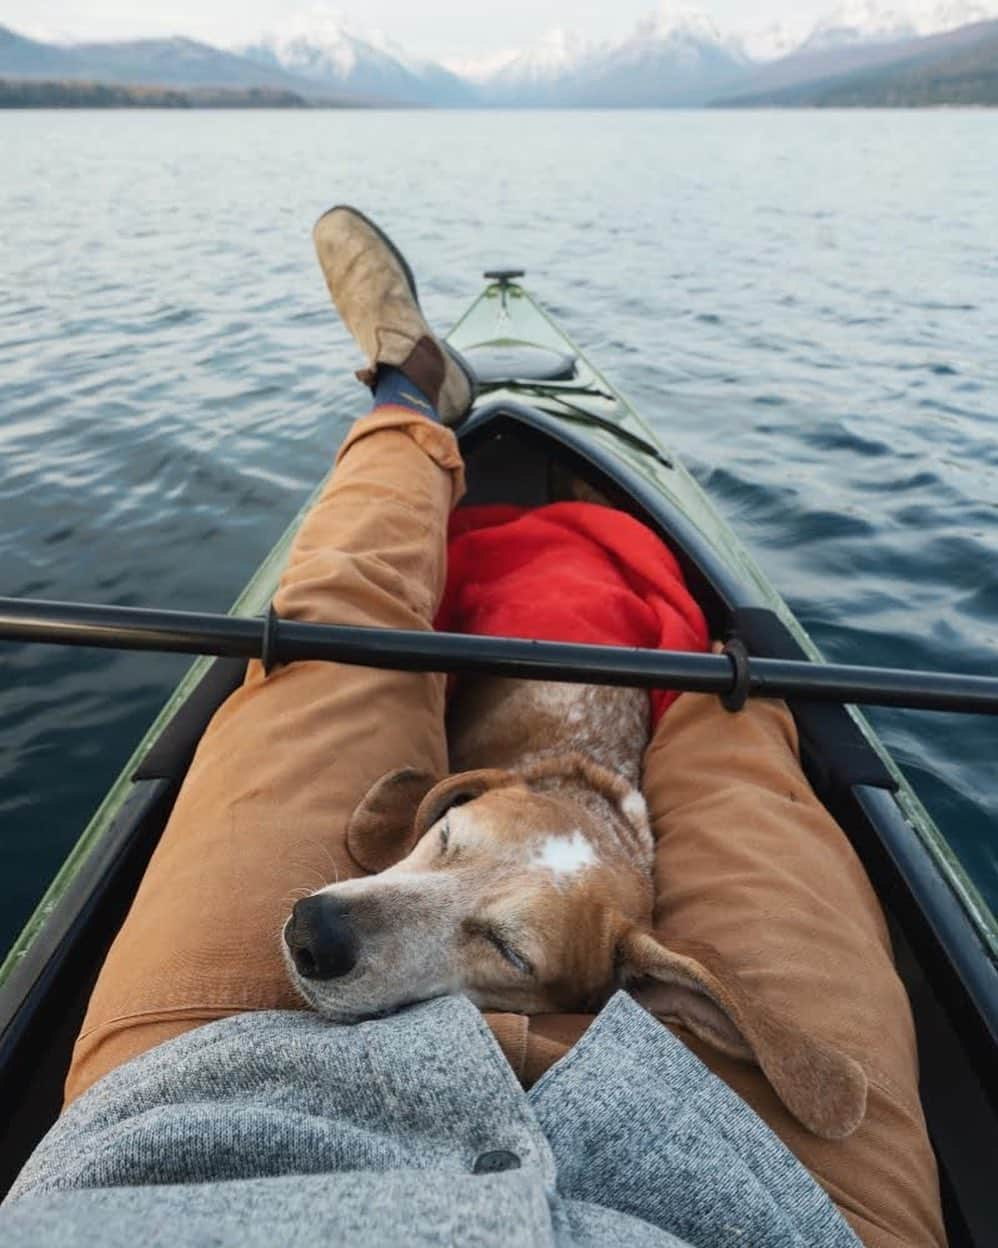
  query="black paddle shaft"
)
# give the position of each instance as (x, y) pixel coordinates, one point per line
(287, 641)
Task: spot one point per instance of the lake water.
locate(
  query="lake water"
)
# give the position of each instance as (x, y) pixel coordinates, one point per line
(804, 304)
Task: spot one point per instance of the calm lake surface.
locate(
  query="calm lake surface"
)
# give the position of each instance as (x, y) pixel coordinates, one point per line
(805, 305)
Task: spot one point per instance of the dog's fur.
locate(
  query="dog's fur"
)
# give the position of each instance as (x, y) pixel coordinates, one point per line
(525, 881)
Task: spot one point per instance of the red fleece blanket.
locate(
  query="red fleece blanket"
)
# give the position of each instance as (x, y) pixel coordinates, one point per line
(568, 572)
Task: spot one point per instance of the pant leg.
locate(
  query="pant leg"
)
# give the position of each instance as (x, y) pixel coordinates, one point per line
(261, 815)
(750, 862)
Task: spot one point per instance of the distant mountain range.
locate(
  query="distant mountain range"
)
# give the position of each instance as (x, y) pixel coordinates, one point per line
(179, 62)
(959, 68)
(671, 59)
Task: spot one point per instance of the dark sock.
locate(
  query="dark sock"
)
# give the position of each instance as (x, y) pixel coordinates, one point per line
(394, 389)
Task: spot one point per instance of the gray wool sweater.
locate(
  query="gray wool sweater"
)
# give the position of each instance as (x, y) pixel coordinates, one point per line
(281, 1128)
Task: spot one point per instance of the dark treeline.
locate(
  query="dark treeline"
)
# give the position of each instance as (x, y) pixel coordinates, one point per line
(16, 93)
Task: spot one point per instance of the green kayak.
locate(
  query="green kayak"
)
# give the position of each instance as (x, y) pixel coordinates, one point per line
(545, 411)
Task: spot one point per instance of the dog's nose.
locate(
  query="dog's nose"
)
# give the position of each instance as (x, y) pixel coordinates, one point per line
(320, 939)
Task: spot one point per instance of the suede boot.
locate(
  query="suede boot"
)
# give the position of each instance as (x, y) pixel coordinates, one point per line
(374, 292)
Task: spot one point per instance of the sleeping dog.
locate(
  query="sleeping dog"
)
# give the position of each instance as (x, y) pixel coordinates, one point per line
(525, 881)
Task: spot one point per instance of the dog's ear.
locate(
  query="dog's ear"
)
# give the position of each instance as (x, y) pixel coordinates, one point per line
(824, 1089)
(379, 833)
(399, 808)
(457, 791)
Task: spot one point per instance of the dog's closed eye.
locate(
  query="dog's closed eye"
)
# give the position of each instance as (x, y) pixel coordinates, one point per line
(501, 944)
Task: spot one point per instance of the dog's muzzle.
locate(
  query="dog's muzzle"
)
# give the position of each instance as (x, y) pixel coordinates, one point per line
(320, 939)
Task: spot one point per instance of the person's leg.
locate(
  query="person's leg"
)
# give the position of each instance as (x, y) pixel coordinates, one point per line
(284, 762)
(751, 863)
(262, 814)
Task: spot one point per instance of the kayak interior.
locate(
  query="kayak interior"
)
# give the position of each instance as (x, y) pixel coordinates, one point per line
(529, 455)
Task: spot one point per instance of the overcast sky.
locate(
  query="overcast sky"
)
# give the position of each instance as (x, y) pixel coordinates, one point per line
(424, 27)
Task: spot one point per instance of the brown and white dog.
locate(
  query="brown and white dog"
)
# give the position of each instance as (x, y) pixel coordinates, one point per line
(525, 882)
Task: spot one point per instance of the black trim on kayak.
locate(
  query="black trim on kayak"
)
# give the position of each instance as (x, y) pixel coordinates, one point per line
(952, 983)
(925, 902)
(171, 755)
(963, 1128)
(44, 999)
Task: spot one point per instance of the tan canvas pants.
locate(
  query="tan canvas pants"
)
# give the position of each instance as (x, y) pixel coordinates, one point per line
(748, 859)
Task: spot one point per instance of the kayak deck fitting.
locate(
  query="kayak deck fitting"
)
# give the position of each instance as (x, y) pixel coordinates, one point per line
(546, 416)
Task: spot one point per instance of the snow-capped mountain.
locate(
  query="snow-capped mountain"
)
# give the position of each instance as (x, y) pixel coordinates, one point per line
(856, 22)
(865, 36)
(557, 54)
(536, 74)
(860, 22)
(674, 56)
(321, 49)
(678, 55)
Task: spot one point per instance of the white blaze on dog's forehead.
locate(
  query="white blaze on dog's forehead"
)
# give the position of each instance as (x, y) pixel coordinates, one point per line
(565, 856)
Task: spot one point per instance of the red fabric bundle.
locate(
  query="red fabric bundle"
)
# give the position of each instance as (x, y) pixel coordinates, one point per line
(568, 572)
